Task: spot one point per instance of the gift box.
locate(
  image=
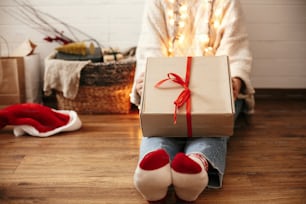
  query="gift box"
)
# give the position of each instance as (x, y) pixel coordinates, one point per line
(187, 97)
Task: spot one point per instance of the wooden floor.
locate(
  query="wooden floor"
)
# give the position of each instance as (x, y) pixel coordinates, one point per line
(266, 160)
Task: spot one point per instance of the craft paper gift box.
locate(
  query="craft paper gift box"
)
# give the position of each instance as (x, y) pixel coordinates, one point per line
(211, 99)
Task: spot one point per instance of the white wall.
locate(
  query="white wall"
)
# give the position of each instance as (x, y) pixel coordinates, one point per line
(277, 31)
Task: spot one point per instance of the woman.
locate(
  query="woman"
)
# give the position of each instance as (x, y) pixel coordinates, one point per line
(190, 28)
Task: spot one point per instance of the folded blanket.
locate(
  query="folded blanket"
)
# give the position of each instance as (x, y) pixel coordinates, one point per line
(63, 76)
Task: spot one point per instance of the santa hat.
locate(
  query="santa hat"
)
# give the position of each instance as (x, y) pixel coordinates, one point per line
(38, 120)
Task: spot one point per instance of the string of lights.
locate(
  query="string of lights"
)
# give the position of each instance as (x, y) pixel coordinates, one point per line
(178, 17)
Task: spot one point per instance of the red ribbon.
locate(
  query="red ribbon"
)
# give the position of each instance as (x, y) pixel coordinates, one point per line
(184, 96)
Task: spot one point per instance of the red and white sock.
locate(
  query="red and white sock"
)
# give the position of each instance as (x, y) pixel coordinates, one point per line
(189, 175)
(153, 175)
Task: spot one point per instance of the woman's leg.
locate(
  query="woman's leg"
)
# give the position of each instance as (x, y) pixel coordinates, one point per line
(170, 144)
(214, 150)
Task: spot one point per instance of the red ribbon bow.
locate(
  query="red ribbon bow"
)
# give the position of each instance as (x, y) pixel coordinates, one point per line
(184, 96)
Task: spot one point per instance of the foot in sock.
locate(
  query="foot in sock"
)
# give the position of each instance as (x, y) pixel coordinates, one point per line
(153, 176)
(189, 176)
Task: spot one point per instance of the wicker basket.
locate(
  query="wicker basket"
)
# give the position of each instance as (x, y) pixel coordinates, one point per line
(104, 88)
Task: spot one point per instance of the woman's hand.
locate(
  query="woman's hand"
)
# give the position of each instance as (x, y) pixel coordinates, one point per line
(237, 83)
(139, 83)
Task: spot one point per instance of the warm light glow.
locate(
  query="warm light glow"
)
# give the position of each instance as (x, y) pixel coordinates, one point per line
(170, 48)
(184, 16)
(170, 13)
(183, 9)
(178, 17)
(216, 24)
(181, 24)
(204, 38)
(181, 39)
(139, 137)
(218, 13)
(172, 21)
(208, 49)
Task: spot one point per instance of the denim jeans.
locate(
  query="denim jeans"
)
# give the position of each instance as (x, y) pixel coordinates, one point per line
(214, 149)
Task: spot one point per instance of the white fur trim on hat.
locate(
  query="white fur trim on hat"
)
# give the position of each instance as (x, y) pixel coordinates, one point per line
(73, 124)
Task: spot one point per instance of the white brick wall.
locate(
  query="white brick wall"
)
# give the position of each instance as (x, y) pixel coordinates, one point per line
(277, 31)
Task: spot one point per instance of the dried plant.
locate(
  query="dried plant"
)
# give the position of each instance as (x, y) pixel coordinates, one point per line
(46, 24)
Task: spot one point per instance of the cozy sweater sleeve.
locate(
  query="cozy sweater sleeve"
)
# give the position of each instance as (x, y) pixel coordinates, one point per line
(152, 40)
(234, 43)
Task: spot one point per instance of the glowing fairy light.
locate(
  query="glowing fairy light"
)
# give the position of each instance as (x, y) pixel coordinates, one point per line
(172, 21)
(204, 39)
(218, 13)
(208, 51)
(184, 16)
(183, 9)
(170, 48)
(181, 38)
(181, 24)
(217, 24)
(170, 13)
(178, 17)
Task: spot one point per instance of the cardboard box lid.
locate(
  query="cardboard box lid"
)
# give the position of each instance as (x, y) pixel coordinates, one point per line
(210, 85)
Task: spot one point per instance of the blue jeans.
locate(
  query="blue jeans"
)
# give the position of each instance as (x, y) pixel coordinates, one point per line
(213, 148)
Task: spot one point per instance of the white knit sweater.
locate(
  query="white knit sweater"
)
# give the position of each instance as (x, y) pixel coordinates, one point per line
(228, 37)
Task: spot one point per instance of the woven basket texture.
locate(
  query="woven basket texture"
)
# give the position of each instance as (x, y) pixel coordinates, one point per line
(104, 88)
